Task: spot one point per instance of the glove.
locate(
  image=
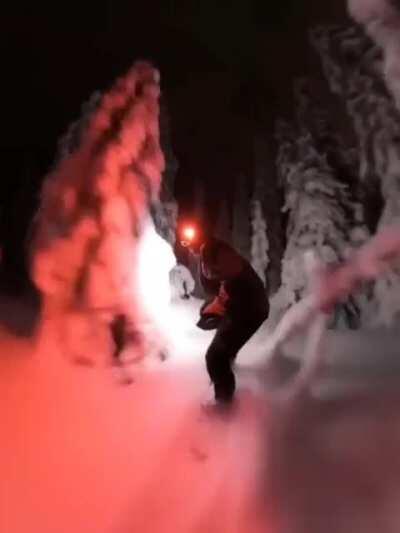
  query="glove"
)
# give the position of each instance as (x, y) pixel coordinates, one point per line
(218, 305)
(208, 322)
(209, 319)
(214, 308)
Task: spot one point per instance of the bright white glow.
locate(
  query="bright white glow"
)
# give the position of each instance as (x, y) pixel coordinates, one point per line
(189, 233)
(174, 318)
(155, 261)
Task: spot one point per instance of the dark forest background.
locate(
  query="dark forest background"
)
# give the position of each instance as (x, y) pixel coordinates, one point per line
(227, 75)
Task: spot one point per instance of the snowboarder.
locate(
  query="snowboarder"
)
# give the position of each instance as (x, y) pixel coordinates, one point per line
(238, 307)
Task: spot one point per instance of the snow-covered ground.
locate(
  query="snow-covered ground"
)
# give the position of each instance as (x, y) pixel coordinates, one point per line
(82, 453)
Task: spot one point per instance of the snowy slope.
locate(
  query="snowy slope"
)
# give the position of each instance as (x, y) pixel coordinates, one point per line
(82, 453)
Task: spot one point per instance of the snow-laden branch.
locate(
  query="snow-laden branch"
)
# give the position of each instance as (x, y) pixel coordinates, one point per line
(94, 202)
(330, 286)
(381, 20)
(259, 240)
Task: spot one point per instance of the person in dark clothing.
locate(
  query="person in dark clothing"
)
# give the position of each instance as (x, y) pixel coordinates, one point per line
(237, 308)
(118, 329)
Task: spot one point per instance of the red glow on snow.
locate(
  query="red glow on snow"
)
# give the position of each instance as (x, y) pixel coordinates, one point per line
(81, 453)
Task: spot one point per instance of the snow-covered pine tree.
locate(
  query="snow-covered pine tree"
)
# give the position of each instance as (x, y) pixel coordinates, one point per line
(317, 204)
(381, 20)
(94, 202)
(259, 240)
(70, 141)
(94, 207)
(355, 70)
(165, 210)
(268, 192)
(314, 117)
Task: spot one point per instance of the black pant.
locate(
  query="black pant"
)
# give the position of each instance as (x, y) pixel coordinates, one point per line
(230, 337)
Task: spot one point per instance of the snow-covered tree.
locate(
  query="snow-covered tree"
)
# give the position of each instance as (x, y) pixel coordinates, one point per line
(381, 20)
(268, 192)
(259, 240)
(94, 205)
(318, 205)
(165, 208)
(313, 117)
(356, 71)
(70, 141)
(165, 215)
(352, 67)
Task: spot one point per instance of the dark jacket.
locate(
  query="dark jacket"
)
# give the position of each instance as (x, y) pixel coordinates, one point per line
(245, 297)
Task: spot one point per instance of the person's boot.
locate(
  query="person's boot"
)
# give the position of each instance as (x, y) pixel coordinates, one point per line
(222, 401)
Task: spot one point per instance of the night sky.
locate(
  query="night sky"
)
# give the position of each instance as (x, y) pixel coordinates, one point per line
(226, 73)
